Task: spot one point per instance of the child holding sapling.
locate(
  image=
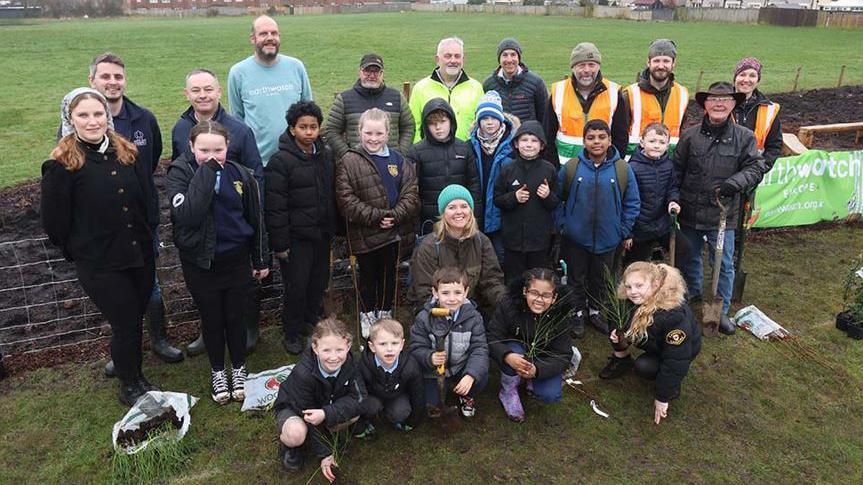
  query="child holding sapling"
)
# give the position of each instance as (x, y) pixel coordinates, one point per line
(526, 194)
(393, 379)
(662, 325)
(449, 332)
(321, 396)
(529, 338)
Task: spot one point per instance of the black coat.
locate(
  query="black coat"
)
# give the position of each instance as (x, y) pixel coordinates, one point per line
(524, 96)
(190, 191)
(656, 188)
(664, 340)
(514, 322)
(529, 226)
(439, 164)
(300, 194)
(745, 115)
(407, 378)
(101, 215)
(704, 159)
(305, 388)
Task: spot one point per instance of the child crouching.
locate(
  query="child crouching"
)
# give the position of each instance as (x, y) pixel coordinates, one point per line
(529, 339)
(662, 325)
(393, 379)
(451, 347)
(324, 392)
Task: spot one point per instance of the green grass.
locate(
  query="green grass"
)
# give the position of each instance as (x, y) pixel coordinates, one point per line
(750, 411)
(45, 60)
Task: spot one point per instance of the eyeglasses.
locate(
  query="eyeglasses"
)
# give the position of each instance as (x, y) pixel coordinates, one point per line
(720, 99)
(537, 295)
(372, 70)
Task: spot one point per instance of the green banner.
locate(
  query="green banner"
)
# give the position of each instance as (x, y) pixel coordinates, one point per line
(812, 187)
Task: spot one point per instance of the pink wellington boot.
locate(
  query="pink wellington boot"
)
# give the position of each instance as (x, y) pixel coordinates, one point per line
(509, 397)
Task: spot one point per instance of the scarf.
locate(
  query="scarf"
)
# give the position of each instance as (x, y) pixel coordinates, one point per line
(489, 143)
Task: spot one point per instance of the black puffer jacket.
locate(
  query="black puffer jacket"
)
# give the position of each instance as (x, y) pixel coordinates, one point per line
(524, 96)
(705, 158)
(190, 190)
(300, 193)
(513, 322)
(406, 378)
(656, 189)
(529, 226)
(439, 164)
(305, 388)
(675, 337)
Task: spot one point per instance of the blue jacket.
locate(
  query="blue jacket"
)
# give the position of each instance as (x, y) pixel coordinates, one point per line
(242, 147)
(596, 216)
(656, 189)
(491, 218)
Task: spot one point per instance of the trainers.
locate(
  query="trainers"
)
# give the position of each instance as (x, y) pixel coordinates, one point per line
(221, 392)
(238, 383)
(291, 458)
(365, 433)
(468, 409)
(615, 367)
(403, 427)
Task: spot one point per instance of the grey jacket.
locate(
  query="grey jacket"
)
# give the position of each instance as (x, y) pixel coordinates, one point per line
(704, 159)
(464, 341)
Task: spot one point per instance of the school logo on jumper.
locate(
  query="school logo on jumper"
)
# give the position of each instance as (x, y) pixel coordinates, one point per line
(139, 139)
(178, 200)
(238, 186)
(394, 170)
(516, 182)
(675, 337)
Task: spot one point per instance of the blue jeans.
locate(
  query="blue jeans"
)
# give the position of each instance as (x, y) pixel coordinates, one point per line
(547, 390)
(693, 269)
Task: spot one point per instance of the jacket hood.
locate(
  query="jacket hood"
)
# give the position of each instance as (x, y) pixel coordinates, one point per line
(287, 142)
(531, 127)
(438, 104)
(644, 81)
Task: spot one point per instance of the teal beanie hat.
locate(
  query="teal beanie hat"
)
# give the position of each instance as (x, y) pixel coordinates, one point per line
(451, 193)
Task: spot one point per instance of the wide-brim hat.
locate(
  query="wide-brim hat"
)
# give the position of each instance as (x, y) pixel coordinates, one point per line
(720, 88)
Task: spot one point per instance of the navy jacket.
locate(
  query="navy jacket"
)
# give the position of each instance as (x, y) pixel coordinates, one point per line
(242, 147)
(675, 338)
(406, 379)
(524, 96)
(656, 188)
(596, 216)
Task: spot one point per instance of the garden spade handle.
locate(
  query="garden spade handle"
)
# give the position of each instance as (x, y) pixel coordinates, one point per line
(672, 241)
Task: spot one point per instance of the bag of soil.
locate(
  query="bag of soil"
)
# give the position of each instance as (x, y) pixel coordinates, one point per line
(263, 388)
(757, 323)
(155, 414)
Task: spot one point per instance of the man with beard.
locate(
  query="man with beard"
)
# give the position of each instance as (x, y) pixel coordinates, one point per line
(340, 130)
(450, 82)
(262, 87)
(204, 93)
(522, 92)
(138, 125)
(583, 96)
(656, 97)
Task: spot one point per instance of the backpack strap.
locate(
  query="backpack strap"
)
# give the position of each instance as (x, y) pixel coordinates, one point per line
(622, 169)
(571, 168)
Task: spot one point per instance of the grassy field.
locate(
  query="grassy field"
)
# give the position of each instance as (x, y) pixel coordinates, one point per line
(43, 61)
(750, 412)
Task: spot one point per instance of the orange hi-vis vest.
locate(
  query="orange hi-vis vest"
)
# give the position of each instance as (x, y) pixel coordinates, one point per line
(767, 114)
(571, 118)
(646, 110)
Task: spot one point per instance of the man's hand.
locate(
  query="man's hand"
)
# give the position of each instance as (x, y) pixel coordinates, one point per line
(327, 465)
(727, 189)
(314, 416)
(660, 410)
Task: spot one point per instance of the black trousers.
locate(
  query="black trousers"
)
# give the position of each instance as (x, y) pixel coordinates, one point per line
(642, 250)
(517, 262)
(122, 297)
(586, 275)
(220, 294)
(377, 277)
(305, 274)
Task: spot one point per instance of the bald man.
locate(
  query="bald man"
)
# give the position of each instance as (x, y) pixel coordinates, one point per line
(263, 86)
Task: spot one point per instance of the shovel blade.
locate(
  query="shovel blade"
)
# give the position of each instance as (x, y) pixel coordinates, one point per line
(711, 313)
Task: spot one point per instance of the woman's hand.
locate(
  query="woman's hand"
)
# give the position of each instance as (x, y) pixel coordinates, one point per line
(463, 386)
(327, 465)
(314, 416)
(388, 222)
(660, 410)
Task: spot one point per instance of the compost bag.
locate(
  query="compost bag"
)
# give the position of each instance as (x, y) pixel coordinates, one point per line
(154, 413)
(263, 388)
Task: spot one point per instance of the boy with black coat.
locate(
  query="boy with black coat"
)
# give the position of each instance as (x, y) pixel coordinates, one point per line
(441, 159)
(526, 193)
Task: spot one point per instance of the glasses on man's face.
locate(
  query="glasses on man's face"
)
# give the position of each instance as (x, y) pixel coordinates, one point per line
(720, 99)
(372, 70)
(547, 296)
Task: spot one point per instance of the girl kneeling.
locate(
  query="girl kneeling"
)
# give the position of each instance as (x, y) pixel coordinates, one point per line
(529, 338)
(662, 325)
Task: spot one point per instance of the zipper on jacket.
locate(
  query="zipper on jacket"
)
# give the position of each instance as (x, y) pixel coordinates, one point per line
(595, 201)
(618, 195)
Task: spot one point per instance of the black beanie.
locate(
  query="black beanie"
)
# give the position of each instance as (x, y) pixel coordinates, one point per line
(509, 43)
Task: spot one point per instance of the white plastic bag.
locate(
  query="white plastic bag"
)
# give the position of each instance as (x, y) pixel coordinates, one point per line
(263, 388)
(757, 323)
(150, 405)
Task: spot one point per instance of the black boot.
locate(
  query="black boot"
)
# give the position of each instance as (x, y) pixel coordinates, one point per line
(726, 326)
(291, 458)
(109, 368)
(144, 384)
(158, 341)
(197, 347)
(576, 328)
(130, 392)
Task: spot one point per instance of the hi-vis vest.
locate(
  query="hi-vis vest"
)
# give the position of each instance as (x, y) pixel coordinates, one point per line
(571, 118)
(646, 110)
(763, 121)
